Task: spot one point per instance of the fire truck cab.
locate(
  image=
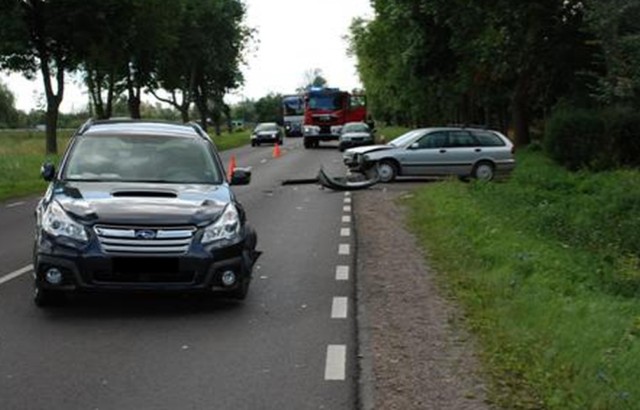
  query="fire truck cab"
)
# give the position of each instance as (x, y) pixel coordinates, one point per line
(326, 110)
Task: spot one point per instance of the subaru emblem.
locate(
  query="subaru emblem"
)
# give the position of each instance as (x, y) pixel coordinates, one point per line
(145, 234)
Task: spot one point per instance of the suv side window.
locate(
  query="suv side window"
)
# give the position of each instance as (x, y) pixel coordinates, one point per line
(488, 139)
(433, 140)
(459, 139)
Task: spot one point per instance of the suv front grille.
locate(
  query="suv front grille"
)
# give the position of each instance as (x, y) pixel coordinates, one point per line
(143, 240)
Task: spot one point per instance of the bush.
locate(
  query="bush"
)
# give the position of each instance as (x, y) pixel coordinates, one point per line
(594, 139)
(623, 128)
(575, 138)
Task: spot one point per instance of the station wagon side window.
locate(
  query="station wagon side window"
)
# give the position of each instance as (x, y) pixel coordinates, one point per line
(433, 140)
(458, 139)
(488, 139)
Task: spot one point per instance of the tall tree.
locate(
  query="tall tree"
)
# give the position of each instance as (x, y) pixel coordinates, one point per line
(615, 25)
(8, 112)
(312, 77)
(469, 60)
(269, 108)
(36, 37)
(222, 37)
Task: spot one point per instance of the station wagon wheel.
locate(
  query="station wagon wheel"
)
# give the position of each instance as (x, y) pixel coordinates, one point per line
(387, 170)
(483, 171)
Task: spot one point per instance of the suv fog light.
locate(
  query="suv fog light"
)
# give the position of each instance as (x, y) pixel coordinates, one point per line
(228, 278)
(54, 276)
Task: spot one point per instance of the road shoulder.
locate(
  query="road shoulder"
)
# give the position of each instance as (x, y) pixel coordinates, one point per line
(414, 352)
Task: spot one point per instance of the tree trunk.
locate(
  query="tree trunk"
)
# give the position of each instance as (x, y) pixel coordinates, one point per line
(201, 105)
(108, 111)
(95, 92)
(133, 94)
(51, 120)
(134, 102)
(53, 101)
(520, 109)
(184, 112)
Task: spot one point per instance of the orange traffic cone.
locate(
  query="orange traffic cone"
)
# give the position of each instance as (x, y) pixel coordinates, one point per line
(232, 167)
(276, 150)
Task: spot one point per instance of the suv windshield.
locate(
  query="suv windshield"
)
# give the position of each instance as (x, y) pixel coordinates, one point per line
(135, 158)
(266, 127)
(358, 127)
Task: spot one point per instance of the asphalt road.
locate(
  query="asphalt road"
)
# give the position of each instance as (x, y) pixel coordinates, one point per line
(290, 345)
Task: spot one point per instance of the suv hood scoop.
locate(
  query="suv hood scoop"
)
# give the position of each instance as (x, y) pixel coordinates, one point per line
(142, 204)
(143, 194)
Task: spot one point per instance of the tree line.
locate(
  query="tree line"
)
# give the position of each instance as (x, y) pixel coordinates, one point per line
(185, 52)
(499, 63)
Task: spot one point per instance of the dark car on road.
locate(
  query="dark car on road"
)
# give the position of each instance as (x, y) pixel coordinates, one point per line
(141, 206)
(355, 134)
(267, 132)
(464, 152)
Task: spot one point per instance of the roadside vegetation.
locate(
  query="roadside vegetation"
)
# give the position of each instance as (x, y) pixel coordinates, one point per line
(121, 48)
(547, 268)
(22, 153)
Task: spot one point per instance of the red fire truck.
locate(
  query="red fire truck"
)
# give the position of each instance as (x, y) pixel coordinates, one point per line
(326, 110)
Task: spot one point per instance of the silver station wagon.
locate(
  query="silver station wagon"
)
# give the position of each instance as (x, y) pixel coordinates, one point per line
(465, 152)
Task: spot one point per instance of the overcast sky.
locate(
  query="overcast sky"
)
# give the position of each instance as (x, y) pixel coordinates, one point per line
(293, 36)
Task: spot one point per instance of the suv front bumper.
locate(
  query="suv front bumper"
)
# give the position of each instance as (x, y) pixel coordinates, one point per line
(91, 269)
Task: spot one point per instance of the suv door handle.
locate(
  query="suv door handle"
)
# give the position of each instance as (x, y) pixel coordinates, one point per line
(442, 151)
(478, 150)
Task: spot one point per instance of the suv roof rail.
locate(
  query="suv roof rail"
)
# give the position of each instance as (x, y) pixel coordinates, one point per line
(87, 124)
(479, 126)
(198, 129)
(123, 120)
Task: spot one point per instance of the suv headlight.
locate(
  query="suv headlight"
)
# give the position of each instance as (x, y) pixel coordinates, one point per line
(56, 222)
(225, 228)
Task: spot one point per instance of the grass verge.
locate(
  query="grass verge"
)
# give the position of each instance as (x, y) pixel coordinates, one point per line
(22, 154)
(546, 267)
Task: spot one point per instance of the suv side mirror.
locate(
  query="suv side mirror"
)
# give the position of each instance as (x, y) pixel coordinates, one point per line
(415, 145)
(240, 176)
(48, 171)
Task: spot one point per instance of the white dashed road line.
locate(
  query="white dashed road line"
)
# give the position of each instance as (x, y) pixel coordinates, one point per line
(335, 368)
(14, 204)
(15, 274)
(342, 272)
(339, 308)
(336, 362)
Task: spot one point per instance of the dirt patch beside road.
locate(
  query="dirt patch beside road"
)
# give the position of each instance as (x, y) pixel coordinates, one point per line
(418, 354)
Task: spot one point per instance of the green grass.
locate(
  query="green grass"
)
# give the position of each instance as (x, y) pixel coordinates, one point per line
(234, 140)
(22, 154)
(546, 267)
(386, 134)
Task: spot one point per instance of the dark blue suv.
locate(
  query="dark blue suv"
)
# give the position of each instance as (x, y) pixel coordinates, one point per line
(141, 206)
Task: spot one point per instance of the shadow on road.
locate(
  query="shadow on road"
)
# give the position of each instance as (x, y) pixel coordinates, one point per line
(109, 306)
